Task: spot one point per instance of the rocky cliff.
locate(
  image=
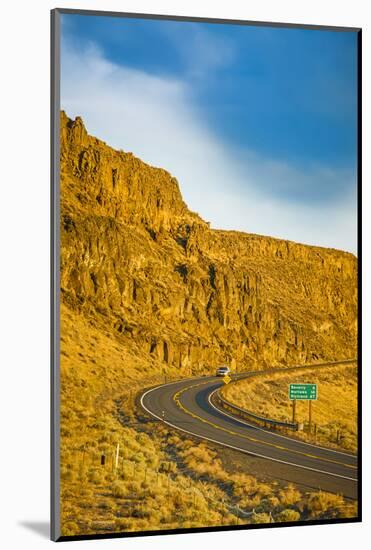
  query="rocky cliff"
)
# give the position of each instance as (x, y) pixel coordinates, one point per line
(137, 264)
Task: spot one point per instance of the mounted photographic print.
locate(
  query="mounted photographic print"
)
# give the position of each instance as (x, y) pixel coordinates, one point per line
(205, 289)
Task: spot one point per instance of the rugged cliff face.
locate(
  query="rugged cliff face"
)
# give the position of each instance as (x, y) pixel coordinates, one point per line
(137, 264)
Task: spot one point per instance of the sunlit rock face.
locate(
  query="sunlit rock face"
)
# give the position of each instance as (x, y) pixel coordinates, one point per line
(136, 262)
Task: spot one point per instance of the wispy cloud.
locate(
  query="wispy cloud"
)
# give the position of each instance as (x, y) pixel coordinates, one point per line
(202, 52)
(156, 119)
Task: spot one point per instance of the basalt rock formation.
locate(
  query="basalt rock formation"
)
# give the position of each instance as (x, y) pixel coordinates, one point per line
(136, 262)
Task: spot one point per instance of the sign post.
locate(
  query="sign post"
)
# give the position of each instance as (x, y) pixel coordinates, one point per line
(293, 411)
(303, 392)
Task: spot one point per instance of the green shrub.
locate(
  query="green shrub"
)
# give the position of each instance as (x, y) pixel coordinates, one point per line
(273, 501)
(119, 489)
(324, 504)
(70, 528)
(288, 515)
(123, 524)
(261, 518)
(96, 476)
(289, 495)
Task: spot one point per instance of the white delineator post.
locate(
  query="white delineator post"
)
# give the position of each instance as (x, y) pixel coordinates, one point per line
(117, 455)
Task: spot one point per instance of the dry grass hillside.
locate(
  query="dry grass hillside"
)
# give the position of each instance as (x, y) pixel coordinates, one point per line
(160, 480)
(148, 293)
(334, 413)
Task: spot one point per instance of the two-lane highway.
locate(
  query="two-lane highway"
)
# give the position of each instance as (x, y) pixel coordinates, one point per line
(186, 405)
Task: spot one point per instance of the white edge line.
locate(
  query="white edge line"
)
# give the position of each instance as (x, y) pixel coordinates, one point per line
(221, 411)
(232, 446)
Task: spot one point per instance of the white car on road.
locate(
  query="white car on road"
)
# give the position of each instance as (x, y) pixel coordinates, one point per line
(223, 371)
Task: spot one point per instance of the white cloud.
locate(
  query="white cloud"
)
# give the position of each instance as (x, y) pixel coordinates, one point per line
(202, 52)
(155, 118)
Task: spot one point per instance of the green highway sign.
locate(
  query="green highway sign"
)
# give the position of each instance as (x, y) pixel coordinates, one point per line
(303, 391)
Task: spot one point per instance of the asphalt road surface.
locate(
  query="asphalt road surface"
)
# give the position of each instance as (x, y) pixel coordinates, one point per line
(186, 406)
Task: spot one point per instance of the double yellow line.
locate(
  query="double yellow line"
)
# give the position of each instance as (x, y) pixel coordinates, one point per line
(176, 398)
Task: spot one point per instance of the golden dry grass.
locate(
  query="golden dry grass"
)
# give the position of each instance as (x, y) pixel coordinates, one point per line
(163, 480)
(99, 381)
(334, 412)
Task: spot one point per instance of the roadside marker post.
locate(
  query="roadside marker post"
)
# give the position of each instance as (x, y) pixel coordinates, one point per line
(117, 455)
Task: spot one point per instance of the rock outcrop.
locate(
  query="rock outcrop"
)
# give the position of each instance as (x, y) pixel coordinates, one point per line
(136, 262)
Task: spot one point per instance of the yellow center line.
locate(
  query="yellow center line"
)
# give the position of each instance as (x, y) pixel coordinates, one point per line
(176, 398)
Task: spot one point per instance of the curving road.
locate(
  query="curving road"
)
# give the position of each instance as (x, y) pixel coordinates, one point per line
(186, 406)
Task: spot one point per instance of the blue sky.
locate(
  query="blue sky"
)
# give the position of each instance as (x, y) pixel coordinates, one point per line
(257, 123)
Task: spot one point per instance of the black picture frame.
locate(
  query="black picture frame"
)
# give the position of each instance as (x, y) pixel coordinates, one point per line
(55, 267)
